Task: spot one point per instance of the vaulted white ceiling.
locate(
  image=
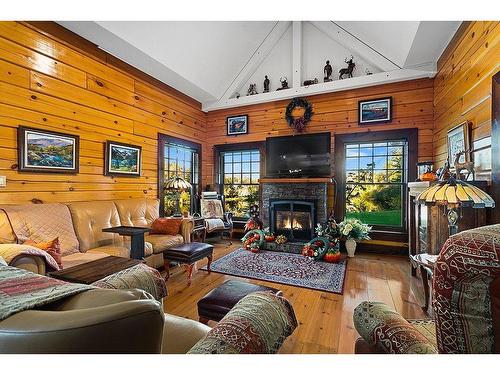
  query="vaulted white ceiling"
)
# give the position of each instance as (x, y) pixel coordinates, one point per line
(213, 61)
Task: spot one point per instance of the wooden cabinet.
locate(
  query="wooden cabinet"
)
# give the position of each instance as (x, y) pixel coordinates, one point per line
(428, 225)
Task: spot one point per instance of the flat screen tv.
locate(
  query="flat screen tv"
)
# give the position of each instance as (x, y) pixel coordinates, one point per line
(298, 156)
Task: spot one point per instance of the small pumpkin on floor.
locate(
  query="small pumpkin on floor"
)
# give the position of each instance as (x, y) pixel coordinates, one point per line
(332, 256)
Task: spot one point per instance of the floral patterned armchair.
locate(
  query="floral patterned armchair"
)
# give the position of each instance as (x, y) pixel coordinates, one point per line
(466, 304)
(216, 219)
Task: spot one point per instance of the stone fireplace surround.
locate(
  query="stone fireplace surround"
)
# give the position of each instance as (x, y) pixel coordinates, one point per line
(294, 189)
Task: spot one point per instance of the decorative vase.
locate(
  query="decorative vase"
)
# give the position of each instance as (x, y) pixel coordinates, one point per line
(350, 246)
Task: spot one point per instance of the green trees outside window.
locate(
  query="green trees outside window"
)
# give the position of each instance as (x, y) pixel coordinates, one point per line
(239, 176)
(375, 176)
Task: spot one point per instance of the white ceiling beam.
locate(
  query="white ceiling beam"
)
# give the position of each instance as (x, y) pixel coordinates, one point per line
(321, 88)
(257, 58)
(355, 45)
(296, 53)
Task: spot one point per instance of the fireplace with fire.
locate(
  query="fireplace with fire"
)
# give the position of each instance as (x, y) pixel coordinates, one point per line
(295, 219)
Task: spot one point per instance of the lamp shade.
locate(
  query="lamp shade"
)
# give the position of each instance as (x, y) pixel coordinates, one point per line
(455, 193)
(177, 183)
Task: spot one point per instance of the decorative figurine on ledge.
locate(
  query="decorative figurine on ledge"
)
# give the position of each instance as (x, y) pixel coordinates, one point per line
(266, 84)
(284, 84)
(328, 72)
(444, 173)
(252, 90)
(466, 165)
(350, 67)
(309, 82)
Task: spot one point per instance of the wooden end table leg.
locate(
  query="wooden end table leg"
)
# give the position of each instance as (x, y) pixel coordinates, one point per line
(203, 320)
(190, 273)
(166, 265)
(210, 257)
(425, 282)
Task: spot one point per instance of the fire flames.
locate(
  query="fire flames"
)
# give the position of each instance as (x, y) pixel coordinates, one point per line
(287, 224)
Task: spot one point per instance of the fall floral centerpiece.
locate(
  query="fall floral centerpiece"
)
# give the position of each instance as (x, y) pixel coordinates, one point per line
(253, 240)
(325, 246)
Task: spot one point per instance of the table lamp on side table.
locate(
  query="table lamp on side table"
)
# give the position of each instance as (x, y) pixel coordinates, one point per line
(453, 194)
(178, 185)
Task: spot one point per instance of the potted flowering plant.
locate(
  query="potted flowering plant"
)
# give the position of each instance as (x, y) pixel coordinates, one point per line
(353, 230)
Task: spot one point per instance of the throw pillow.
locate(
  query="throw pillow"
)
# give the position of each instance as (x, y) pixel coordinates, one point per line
(165, 225)
(52, 247)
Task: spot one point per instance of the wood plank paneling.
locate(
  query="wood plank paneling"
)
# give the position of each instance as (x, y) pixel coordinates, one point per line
(462, 86)
(334, 112)
(52, 84)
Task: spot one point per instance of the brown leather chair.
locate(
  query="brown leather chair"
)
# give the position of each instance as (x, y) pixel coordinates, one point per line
(95, 321)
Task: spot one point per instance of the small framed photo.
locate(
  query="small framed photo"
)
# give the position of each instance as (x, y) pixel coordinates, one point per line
(458, 143)
(122, 159)
(237, 125)
(47, 151)
(376, 111)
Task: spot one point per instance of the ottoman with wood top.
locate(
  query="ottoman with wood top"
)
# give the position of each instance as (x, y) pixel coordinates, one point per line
(217, 303)
(188, 254)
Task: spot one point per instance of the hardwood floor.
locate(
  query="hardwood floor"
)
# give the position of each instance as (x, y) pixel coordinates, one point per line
(325, 319)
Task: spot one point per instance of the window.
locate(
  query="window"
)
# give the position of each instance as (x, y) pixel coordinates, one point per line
(182, 160)
(239, 177)
(375, 180)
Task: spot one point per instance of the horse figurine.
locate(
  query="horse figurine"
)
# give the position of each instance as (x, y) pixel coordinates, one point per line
(466, 165)
(350, 67)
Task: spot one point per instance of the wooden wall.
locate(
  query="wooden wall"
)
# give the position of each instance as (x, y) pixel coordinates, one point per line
(334, 112)
(462, 87)
(48, 83)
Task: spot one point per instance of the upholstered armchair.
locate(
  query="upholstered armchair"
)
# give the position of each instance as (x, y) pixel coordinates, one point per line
(216, 219)
(465, 300)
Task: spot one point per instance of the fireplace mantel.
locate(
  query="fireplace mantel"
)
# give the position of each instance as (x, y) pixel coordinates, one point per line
(294, 180)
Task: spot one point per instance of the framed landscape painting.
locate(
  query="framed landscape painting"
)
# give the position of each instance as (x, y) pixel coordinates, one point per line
(237, 125)
(47, 151)
(376, 111)
(122, 159)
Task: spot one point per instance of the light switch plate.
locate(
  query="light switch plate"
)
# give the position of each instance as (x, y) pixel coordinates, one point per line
(3, 181)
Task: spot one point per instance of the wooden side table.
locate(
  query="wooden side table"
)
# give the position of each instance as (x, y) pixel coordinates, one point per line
(199, 232)
(426, 263)
(136, 235)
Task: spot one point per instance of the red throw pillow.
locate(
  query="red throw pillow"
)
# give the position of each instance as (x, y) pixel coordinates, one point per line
(164, 225)
(52, 247)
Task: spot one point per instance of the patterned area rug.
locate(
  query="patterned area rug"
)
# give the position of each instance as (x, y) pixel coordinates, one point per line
(283, 268)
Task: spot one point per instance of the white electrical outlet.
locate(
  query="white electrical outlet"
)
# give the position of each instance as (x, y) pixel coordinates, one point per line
(3, 181)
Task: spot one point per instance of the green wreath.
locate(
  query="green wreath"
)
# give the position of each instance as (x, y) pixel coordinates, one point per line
(249, 234)
(298, 124)
(324, 248)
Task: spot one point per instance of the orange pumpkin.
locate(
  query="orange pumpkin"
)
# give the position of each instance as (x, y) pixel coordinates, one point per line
(428, 176)
(332, 257)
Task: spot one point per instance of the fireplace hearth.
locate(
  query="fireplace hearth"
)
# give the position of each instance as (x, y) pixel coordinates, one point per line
(295, 219)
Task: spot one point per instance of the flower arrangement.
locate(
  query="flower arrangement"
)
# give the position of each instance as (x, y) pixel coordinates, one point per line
(254, 222)
(330, 230)
(281, 239)
(354, 229)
